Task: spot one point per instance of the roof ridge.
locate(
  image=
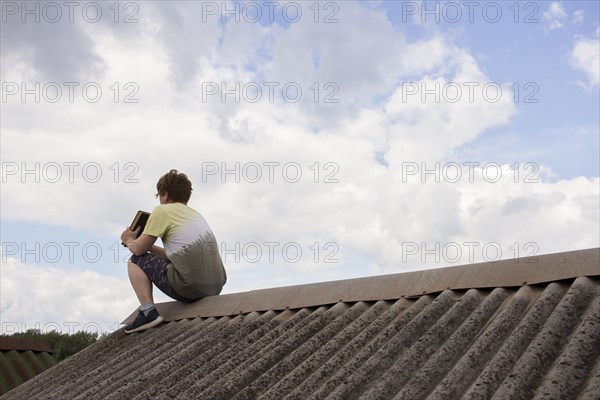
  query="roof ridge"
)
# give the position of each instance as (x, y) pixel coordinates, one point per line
(502, 273)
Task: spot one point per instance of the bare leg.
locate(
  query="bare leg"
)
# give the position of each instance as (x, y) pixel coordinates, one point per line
(141, 283)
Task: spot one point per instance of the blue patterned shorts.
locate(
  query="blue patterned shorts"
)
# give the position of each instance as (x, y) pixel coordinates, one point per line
(155, 268)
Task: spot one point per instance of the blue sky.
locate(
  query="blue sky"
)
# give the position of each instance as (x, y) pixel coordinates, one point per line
(527, 52)
(365, 211)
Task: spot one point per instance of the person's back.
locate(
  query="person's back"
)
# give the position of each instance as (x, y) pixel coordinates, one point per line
(196, 269)
(188, 268)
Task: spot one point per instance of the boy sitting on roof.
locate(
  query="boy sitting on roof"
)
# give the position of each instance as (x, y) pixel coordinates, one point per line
(188, 268)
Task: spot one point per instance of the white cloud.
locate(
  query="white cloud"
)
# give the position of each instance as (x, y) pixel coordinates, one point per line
(37, 44)
(34, 297)
(565, 207)
(585, 57)
(243, 132)
(555, 15)
(578, 16)
(369, 137)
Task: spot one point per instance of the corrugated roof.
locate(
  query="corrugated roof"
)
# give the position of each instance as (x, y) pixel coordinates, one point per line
(21, 360)
(521, 341)
(24, 344)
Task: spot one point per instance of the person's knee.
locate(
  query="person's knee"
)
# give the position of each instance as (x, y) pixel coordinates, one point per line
(131, 266)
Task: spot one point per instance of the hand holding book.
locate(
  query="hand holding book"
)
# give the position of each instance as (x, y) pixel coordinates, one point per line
(137, 225)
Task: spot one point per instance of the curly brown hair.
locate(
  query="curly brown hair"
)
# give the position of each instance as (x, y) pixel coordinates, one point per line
(176, 185)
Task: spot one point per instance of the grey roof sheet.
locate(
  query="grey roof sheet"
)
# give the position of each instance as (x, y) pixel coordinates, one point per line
(527, 341)
(21, 360)
(24, 344)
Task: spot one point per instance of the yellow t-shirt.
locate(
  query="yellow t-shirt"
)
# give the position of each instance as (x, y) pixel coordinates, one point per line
(196, 268)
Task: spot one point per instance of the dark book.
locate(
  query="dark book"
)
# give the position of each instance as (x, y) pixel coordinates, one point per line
(140, 220)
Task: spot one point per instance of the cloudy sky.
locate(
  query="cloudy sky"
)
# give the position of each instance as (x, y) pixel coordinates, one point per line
(325, 140)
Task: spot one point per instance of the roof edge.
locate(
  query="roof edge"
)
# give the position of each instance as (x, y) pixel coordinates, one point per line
(502, 273)
(25, 344)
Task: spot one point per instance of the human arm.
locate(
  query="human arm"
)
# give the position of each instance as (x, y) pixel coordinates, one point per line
(159, 251)
(141, 245)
